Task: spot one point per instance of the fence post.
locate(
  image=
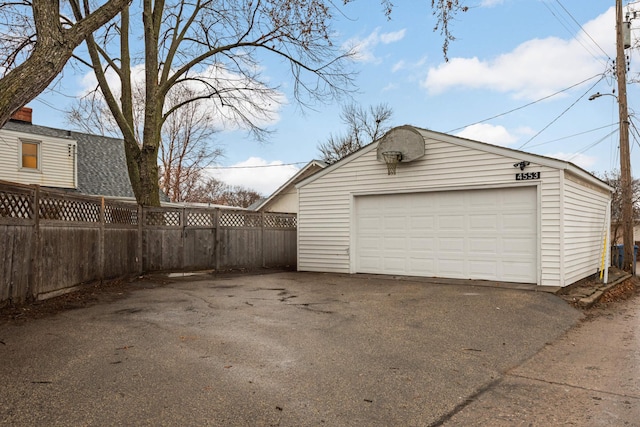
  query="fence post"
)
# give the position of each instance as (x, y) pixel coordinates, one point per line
(216, 238)
(101, 240)
(141, 221)
(37, 256)
(183, 236)
(262, 243)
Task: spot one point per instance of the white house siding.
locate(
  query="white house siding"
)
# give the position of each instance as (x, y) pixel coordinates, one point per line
(584, 228)
(57, 168)
(326, 204)
(286, 202)
(551, 231)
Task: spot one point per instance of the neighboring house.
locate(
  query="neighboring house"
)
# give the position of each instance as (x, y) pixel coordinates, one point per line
(88, 164)
(285, 198)
(455, 208)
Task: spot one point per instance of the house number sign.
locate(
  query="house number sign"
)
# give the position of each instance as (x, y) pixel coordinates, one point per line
(525, 176)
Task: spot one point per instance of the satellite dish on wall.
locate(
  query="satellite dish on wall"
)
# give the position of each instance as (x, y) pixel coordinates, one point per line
(400, 145)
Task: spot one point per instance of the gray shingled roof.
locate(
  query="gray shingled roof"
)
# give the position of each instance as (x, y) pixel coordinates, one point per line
(102, 167)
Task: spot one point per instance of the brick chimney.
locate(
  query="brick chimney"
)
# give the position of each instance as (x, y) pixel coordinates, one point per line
(22, 115)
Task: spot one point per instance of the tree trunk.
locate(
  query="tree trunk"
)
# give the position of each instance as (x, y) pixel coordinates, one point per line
(54, 46)
(148, 183)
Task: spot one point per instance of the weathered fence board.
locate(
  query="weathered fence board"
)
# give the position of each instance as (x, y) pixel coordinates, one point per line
(120, 251)
(53, 240)
(15, 268)
(241, 248)
(280, 246)
(199, 248)
(68, 257)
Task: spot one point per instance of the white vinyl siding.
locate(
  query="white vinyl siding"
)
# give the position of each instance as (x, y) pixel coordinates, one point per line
(287, 202)
(326, 204)
(584, 229)
(565, 250)
(56, 160)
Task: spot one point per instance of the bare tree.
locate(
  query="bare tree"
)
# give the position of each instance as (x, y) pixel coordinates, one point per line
(219, 193)
(214, 47)
(36, 41)
(613, 179)
(239, 196)
(185, 149)
(186, 146)
(363, 127)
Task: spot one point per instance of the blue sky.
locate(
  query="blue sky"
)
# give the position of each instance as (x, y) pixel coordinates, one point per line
(508, 53)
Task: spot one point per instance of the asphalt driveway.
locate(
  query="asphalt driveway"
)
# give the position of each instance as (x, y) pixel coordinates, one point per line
(283, 349)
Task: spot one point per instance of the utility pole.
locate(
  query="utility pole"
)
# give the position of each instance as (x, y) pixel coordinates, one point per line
(625, 161)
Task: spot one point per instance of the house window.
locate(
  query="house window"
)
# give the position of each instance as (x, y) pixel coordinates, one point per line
(30, 158)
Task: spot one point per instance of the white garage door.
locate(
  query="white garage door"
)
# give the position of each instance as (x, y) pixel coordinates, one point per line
(474, 234)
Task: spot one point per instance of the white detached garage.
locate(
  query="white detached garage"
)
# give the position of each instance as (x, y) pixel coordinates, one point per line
(454, 208)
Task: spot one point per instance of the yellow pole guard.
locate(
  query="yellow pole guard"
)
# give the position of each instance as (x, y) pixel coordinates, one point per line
(604, 254)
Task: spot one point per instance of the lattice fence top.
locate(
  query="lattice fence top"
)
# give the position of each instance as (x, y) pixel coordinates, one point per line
(17, 202)
(15, 205)
(62, 208)
(240, 219)
(280, 221)
(167, 218)
(200, 219)
(120, 214)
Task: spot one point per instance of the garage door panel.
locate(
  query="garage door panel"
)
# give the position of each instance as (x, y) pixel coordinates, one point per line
(518, 246)
(484, 222)
(369, 244)
(450, 267)
(517, 271)
(395, 265)
(451, 222)
(476, 234)
(483, 245)
(421, 266)
(422, 244)
(370, 262)
(518, 221)
(422, 222)
(483, 269)
(451, 245)
(395, 243)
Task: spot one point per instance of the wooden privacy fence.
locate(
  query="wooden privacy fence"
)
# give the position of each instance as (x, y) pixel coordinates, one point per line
(51, 241)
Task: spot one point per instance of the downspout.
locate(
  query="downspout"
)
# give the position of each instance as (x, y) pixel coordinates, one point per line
(562, 236)
(607, 243)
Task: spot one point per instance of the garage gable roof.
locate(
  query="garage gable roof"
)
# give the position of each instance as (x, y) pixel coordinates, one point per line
(475, 145)
(309, 169)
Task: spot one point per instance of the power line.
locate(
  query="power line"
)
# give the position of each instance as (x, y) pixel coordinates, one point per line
(582, 28)
(257, 166)
(572, 136)
(560, 115)
(590, 146)
(531, 103)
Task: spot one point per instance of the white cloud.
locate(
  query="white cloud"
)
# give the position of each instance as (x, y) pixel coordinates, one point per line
(497, 135)
(533, 69)
(392, 37)
(398, 66)
(579, 159)
(390, 87)
(490, 3)
(255, 174)
(364, 48)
